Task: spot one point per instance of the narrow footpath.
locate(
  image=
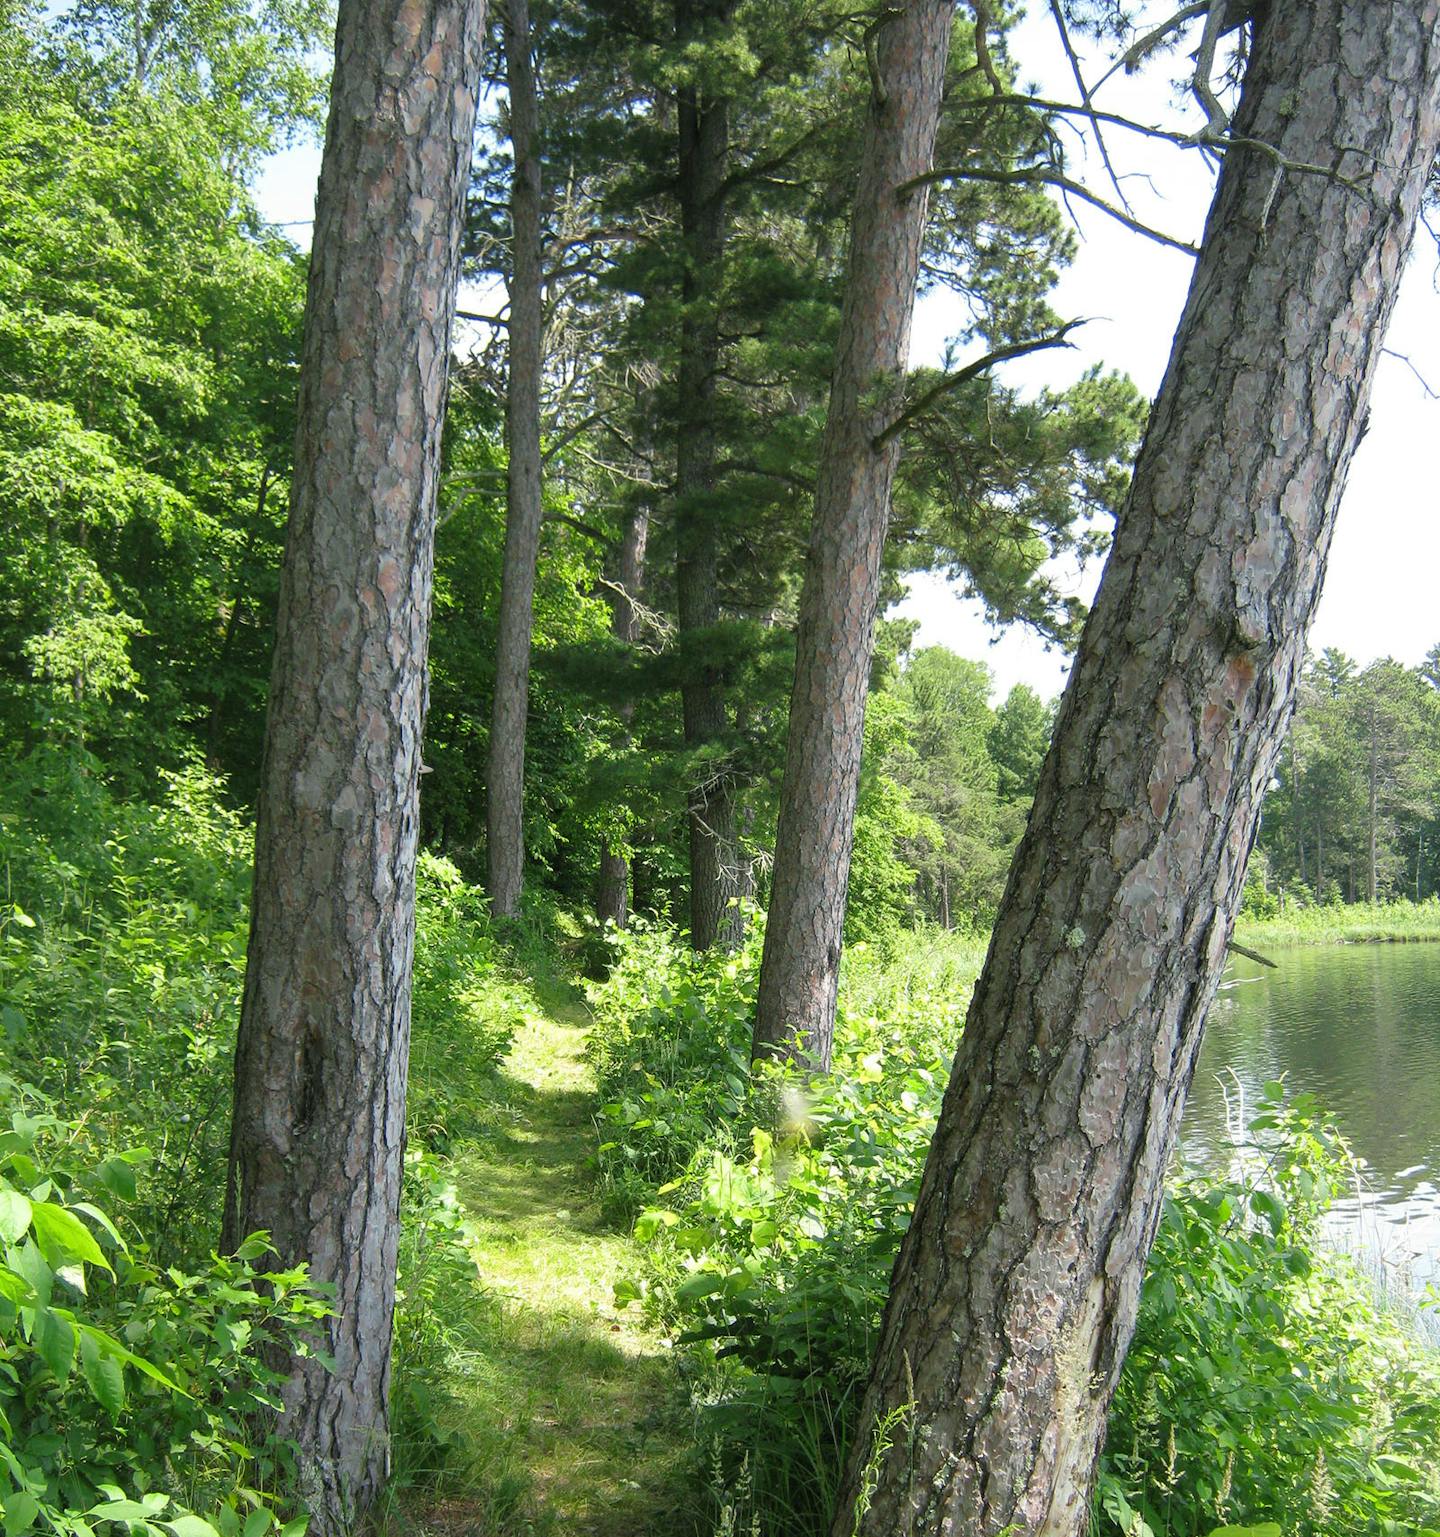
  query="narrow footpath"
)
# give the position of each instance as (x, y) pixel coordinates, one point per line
(580, 1419)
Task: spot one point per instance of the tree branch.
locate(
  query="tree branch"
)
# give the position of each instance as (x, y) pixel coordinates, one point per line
(982, 47)
(588, 529)
(1086, 96)
(1138, 51)
(971, 371)
(1217, 119)
(1252, 955)
(1430, 394)
(1165, 135)
(1039, 176)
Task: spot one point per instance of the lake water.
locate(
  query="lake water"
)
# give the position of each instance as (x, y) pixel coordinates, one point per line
(1359, 1027)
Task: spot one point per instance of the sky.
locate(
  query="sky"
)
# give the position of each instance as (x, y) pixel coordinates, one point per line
(1380, 595)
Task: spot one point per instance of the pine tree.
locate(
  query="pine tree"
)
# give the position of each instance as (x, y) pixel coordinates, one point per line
(1014, 1296)
(318, 1126)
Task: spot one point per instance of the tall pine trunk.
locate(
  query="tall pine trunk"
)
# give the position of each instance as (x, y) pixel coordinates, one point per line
(505, 776)
(813, 841)
(1014, 1295)
(704, 153)
(613, 902)
(320, 1064)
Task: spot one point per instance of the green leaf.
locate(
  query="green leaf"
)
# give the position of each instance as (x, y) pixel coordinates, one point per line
(72, 1275)
(1270, 1207)
(63, 1237)
(627, 1291)
(109, 1346)
(1297, 1262)
(121, 1509)
(649, 1222)
(98, 1216)
(258, 1524)
(103, 1375)
(21, 1509)
(14, 1216)
(191, 1526)
(27, 1262)
(296, 1528)
(118, 1177)
(702, 1284)
(14, 1288)
(54, 1341)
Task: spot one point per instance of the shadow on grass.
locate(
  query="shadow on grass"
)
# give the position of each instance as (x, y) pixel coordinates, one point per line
(569, 1414)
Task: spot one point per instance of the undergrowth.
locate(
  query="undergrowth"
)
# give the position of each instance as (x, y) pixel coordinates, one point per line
(122, 942)
(1340, 923)
(1265, 1384)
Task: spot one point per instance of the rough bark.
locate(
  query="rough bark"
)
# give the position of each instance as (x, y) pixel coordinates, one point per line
(1014, 1295)
(816, 831)
(319, 1115)
(505, 776)
(703, 125)
(613, 902)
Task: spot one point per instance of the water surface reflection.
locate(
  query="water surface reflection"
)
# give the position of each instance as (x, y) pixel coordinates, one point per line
(1358, 1026)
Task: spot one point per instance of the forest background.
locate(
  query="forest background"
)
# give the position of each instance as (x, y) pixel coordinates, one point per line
(149, 331)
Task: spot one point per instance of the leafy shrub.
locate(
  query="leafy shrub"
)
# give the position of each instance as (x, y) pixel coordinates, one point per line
(780, 1203)
(1335, 921)
(670, 1048)
(122, 949)
(466, 1005)
(1258, 902)
(128, 1393)
(1264, 1384)
(121, 961)
(438, 1296)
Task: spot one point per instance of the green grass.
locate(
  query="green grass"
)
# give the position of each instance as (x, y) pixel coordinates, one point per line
(570, 1416)
(881, 979)
(1358, 923)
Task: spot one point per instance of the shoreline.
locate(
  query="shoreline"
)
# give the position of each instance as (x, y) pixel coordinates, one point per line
(1359, 924)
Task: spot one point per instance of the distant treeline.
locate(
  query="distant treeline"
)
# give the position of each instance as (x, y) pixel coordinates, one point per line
(1354, 813)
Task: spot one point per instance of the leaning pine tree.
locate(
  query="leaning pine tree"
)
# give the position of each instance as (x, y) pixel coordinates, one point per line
(320, 1064)
(1014, 1296)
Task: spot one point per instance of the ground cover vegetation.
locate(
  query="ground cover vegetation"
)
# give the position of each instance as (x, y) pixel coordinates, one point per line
(639, 427)
(1265, 1383)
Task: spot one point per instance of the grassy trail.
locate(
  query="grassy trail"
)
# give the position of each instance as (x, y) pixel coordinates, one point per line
(578, 1418)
